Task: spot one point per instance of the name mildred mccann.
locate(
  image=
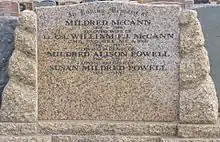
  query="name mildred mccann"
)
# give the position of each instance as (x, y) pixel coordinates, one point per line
(106, 22)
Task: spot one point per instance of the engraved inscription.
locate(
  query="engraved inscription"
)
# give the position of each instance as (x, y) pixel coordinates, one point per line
(108, 61)
(107, 43)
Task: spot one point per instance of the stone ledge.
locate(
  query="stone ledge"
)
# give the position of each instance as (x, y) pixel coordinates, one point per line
(17, 129)
(96, 138)
(88, 128)
(25, 139)
(188, 140)
(106, 128)
(199, 131)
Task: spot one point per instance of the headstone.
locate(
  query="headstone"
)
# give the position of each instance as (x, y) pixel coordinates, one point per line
(108, 61)
(22, 7)
(26, 6)
(133, 1)
(210, 21)
(9, 8)
(144, 1)
(189, 4)
(35, 4)
(84, 1)
(121, 0)
(47, 3)
(201, 1)
(68, 3)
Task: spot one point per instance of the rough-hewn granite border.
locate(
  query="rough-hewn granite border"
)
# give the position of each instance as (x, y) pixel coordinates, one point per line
(198, 99)
(20, 96)
(7, 28)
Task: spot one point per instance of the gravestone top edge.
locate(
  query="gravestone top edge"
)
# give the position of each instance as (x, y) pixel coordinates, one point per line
(112, 2)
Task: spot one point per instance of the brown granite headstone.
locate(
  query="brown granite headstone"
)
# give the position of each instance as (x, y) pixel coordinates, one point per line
(9, 8)
(108, 61)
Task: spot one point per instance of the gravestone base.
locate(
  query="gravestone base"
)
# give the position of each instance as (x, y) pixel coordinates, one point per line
(198, 113)
(104, 131)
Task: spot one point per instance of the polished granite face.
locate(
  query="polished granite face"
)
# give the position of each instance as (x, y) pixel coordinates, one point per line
(108, 61)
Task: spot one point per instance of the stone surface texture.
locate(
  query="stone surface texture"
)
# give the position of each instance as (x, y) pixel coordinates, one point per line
(198, 100)
(106, 128)
(210, 22)
(113, 94)
(188, 140)
(26, 139)
(199, 131)
(7, 27)
(18, 129)
(104, 139)
(20, 98)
